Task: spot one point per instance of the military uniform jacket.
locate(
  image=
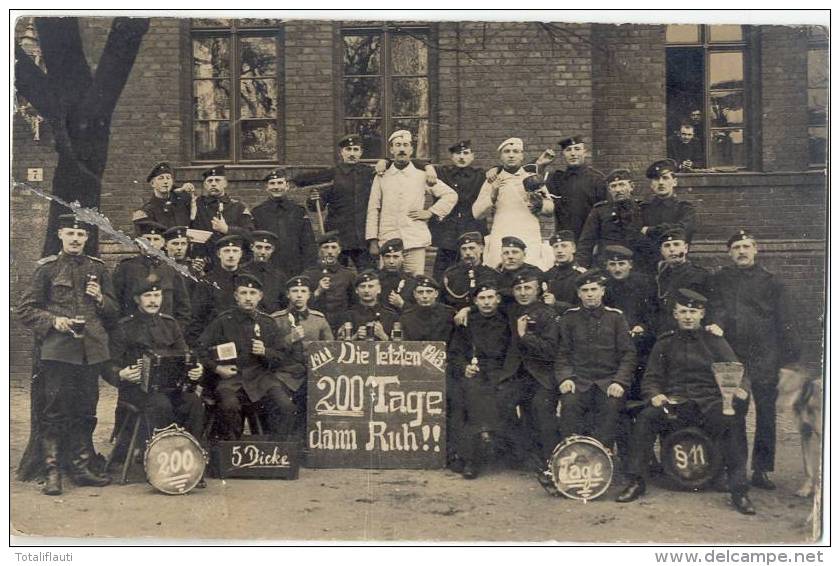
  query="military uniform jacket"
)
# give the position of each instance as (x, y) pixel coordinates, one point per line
(176, 299)
(140, 333)
(402, 284)
(486, 338)
(58, 289)
(681, 276)
(359, 315)
(757, 317)
(235, 213)
(291, 224)
(635, 296)
(335, 300)
(346, 201)
(458, 284)
(680, 366)
(172, 211)
(671, 211)
(467, 182)
(609, 223)
(535, 351)
(211, 296)
(256, 374)
(315, 327)
(432, 323)
(274, 284)
(595, 349)
(578, 189)
(561, 283)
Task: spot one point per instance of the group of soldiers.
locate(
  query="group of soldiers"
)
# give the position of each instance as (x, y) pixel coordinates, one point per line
(615, 340)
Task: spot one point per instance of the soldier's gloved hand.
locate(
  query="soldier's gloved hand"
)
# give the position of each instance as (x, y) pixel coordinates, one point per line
(195, 373)
(373, 248)
(257, 347)
(396, 300)
(714, 329)
(460, 317)
(431, 175)
(742, 394)
(659, 400)
(62, 324)
(226, 371)
(568, 386)
(615, 390)
(546, 157)
(93, 290)
(380, 167)
(314, 195)
(220, 225)
(297, 334)
(549, 298)
(471, 371)
(637, 330)
(379, 331)
(491, 174)
(130, 374)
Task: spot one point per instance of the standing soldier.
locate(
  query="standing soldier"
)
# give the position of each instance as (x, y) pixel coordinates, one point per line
(68, 305)
(662, 211)
(333, 282)
(430, 320)
(289, 221)
(167, 206)
(219, 213)
(264, 245)
(177, 247)
(397, 286)
(758, 319)
(617, 221)
(460, 280)
(368, 318)
(176, 300)
(561, 292)
(576, 189)
(466, 181)
(346, 200)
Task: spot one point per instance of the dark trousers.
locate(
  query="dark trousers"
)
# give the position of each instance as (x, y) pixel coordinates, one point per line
(728, 431)
(595, 406)
(455, 439)
(360, 258)
(536, 432)
(764, 445)
(444, 259)
(68, 416)
(278, 404)
(479, 415)
(162, 408)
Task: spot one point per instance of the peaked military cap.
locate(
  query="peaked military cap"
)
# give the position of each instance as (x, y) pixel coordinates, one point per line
(562, 236)
(617, 253)
(618, 175)
(460, 146)
(391, 246)
(660, 167)
(175, 232)
(231, 241)
(143, 227)
(690, 299)
(275, 174)
(513, 241)
(146, 284)
(299, 281)
(366, 276)
(350, 139)
(486, 284)
(70, 221)
(426, 281)
(673, 233)
(217, 171)
(589, 277)
(328, 237)
(159, 169)
(248, 280)
(265, 236)
(470, 238)
(738, 236)
(527, 274)
(571, 140)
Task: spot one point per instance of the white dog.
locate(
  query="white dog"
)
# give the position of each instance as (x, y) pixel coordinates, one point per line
(801, 392)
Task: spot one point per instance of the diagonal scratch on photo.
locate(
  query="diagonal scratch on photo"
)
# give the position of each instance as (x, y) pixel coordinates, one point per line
(422, 281)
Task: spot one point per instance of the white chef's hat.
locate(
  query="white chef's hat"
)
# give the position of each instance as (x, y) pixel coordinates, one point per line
(515, 142)
(399, 134)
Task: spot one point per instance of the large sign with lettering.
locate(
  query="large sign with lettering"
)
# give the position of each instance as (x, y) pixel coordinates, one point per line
(376, 405)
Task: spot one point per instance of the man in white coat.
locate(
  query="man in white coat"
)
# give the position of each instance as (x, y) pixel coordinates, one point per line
(397, 201)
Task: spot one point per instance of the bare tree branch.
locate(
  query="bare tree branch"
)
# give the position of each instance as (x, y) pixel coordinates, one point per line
(32, 84)
(64, 57)
(116, 63)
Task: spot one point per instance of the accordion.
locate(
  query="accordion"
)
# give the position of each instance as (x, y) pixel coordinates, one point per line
(163, 371)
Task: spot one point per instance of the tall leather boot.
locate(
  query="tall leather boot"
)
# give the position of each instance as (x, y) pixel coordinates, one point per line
(52, 484)
(80, 471)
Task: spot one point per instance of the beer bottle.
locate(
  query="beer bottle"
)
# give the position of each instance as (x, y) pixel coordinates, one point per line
(396, 332)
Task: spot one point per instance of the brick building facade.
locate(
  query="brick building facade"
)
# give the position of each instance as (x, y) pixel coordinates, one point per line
(483, 81)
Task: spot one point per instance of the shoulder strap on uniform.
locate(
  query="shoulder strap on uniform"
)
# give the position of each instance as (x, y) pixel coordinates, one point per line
(102, 261)
(613, 309)
(166, 316)
(317, 313)
(47, 259)
(666, 334)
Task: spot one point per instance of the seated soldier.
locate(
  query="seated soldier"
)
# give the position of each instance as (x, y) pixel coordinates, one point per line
(298, 324)
(333, 282)
(682, 390)
(429, 320)
(594, 364)
(397, 285)
(145, 331)
(561, 292)
(459, 281)
(263, 246)
(368, 319)
(243, 348)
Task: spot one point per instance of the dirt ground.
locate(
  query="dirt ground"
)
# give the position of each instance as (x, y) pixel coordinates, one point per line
(394, 505)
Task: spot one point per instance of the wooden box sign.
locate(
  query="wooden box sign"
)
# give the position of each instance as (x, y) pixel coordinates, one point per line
(256, 457)
(376, 405)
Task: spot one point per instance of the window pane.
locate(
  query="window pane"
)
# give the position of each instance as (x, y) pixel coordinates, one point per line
(725, 33)
(258, 98)
(362, 97)
(211, 57)
(727, 148)
(258, 56)
(409, 55)
(817, 143)
(419, 129)
(410, 97)
(818, 68)
(726, 108)
(362, 54)
(726, 70)
(682, 33)
(211, 99)
(259, 139)
(371, 134)
(212, 140)
(211, 23)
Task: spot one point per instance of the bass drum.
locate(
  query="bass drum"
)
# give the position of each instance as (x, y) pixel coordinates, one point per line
(690, 458)
(581, 468)
(174, 460)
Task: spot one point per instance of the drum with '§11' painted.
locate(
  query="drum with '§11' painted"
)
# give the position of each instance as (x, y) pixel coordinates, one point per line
(581, 468)
(174, 460)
